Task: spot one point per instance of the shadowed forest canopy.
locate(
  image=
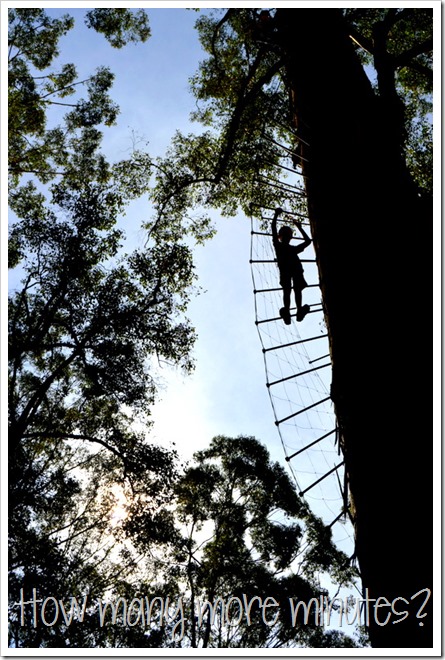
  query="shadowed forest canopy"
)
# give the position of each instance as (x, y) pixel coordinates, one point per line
(96, 507)
(244, 101)
(86, 327)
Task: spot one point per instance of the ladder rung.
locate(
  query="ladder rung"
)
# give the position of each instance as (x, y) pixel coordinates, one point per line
(300, 373)
(340, 515)
(289, 151)
(302, 492)
(283, 186)
(309, 286)
(282, 220)
(278, 318)
(311, 444)
(288, 169)
(319, 358)
(273, 208)
(274, 261)
(293, 343)
(262, 233)
(302, 411)
(293, 131)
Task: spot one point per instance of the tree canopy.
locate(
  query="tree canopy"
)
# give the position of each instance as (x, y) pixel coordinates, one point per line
(244, 105)
(86, 325)
(35, 87)
(260, 540)
(89, 324)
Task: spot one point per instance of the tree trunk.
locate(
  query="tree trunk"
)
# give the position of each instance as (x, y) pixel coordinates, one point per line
(366, 217)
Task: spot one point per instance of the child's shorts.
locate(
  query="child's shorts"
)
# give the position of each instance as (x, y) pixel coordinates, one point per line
(293, 281)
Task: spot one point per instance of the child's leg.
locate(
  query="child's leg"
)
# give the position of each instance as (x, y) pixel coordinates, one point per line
(286, 297)
(302, 310)
(285, 310)
(298, 298)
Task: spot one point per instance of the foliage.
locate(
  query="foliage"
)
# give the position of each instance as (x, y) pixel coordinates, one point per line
(82, 329)
(240, 102)
(243, 534)
(35, 87)
(86, 326)
(244, 105)
(119, 26)
(398, 43)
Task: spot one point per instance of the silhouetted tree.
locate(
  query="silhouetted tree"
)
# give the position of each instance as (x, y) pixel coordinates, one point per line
(246, 544)
(86, 324)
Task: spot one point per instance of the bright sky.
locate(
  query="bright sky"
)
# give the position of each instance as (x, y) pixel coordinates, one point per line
(227, 393)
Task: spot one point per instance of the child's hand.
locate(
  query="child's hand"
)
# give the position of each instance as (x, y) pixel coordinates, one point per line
(278, 211)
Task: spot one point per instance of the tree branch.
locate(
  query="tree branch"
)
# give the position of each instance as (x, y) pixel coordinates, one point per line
(404, 59)
(18, 428)
(76, 436)
(60, 89)
(223, 20)
(238, 111)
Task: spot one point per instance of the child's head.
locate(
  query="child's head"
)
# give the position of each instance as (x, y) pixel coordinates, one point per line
(285, 234)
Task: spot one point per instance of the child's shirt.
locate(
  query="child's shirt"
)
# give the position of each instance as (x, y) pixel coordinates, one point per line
(287, 257)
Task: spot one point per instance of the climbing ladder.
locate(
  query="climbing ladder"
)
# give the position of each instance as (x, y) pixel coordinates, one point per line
(297, 363)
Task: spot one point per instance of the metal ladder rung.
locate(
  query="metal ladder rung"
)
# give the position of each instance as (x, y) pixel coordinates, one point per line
(302, 492)
(293, 343)
(278, 422)
(309, 286)
(300, 373)
(278, 318)
(274, 261)
(272, 208)
(311, 444)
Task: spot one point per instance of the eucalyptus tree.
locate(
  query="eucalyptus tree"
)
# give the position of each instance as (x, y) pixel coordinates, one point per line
(88, 324)
(86, 328)
(362, 142)
(36, 87)
(247, 550)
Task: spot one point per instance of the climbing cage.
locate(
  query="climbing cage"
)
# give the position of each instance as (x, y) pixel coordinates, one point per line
(297, 361)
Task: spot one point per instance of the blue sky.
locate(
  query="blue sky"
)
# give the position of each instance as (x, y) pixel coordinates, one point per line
(151, 88)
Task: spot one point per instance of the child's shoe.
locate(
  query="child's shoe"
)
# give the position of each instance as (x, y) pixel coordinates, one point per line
(285, 315)
(302, 312)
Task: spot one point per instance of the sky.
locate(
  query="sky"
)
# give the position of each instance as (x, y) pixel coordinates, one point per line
(227, 393)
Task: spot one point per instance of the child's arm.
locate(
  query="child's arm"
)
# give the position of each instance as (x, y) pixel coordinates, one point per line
(307, 240)
(278, 211)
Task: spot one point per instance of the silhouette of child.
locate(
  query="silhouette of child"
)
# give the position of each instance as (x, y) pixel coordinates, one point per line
(290, 267)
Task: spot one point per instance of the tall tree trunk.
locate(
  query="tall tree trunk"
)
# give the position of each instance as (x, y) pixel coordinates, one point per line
(371, 235)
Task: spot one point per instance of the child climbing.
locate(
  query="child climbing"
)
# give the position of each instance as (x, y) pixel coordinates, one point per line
(290, 267)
